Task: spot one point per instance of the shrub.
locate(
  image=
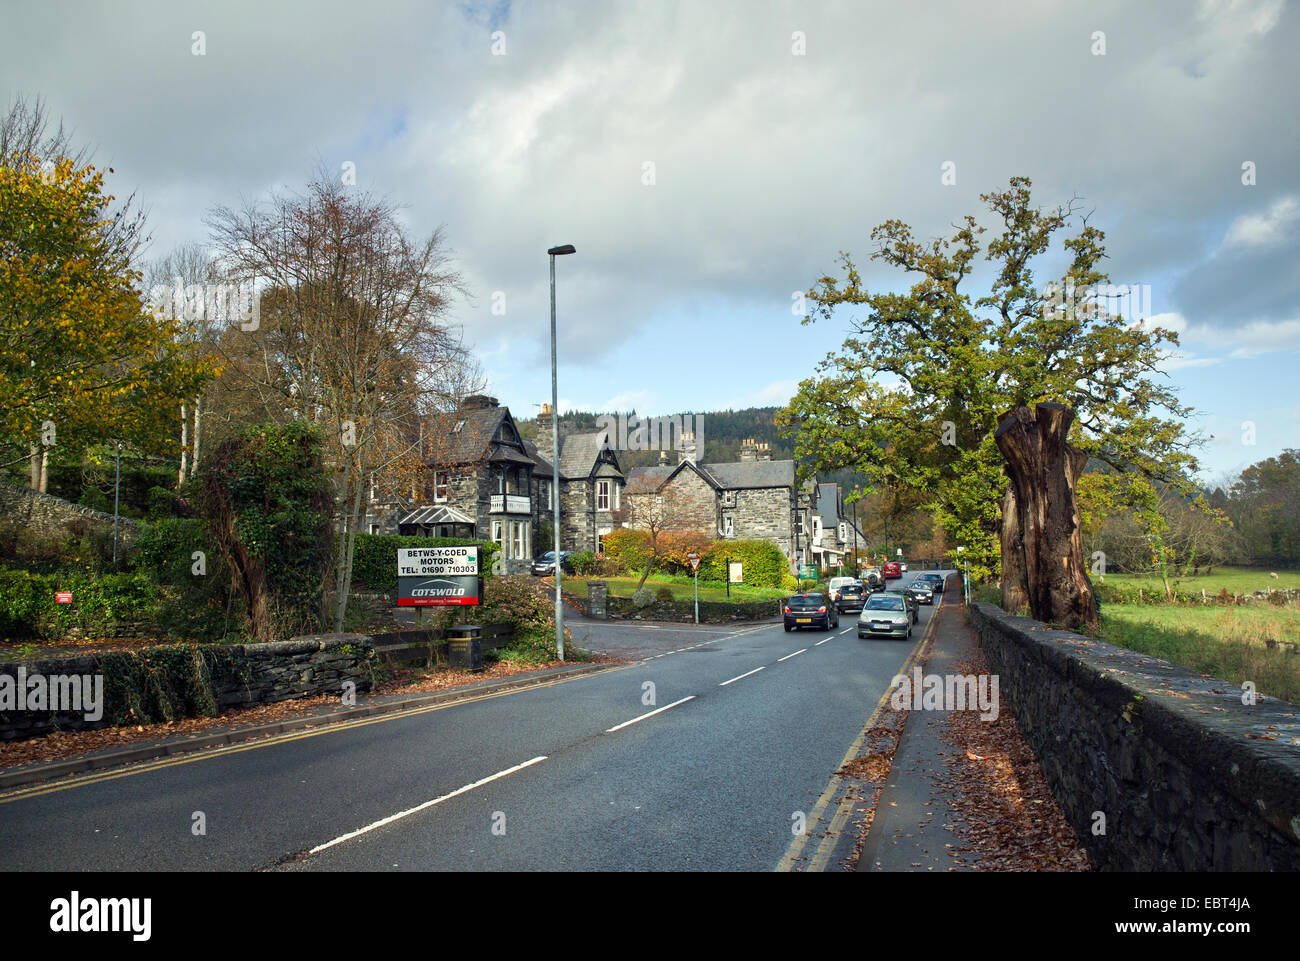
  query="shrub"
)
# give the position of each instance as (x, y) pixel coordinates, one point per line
(584, 562)
(268, 502)
(161, 501)
(198, 606)
(664, 593)
(519, 600)
(643, 598)
(764, 564)
(28, 610)
(95, 498)
(627, 548)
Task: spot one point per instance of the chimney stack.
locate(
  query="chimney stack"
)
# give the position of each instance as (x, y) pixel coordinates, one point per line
(544, 445)
(748, 449)
(686, 447)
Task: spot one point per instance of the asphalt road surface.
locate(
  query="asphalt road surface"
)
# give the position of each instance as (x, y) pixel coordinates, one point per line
(703, 756)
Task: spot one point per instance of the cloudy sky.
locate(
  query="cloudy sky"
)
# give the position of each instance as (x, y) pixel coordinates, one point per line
(708, 159)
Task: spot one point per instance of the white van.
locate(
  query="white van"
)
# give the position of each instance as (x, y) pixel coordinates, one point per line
(836, 583)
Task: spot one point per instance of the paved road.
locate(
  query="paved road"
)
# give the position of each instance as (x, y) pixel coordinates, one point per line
(750, 724)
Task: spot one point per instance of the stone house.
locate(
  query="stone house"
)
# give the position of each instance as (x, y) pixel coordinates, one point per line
(484, 481)
(752, 498)
(591, 484)
(833, 528)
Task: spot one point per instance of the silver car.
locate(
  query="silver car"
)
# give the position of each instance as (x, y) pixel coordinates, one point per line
(885, 615)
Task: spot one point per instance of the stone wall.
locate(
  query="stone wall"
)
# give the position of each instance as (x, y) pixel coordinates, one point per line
(711, 612)
(1187, 777)
(49, 516)
(250, 674)
(764, 514)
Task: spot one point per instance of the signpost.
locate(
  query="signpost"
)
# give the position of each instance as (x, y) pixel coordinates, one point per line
(694, 560)
(438, 577)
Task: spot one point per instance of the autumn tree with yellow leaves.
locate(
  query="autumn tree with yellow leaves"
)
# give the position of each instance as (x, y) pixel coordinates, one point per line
(82, 359)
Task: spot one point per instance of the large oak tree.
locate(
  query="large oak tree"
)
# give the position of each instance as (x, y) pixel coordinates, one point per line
(914, 396)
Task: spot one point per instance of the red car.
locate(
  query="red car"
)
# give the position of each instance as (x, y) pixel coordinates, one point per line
(891, 570)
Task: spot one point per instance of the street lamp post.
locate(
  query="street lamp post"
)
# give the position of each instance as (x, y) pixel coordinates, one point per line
(117, 489)
(555, 454)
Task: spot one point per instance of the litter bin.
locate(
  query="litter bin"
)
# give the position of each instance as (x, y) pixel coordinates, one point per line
(465, 646)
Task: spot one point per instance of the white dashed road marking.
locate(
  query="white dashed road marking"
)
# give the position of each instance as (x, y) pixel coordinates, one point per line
(746, 674)
(788, 656)
(651, 714)
(427, 804)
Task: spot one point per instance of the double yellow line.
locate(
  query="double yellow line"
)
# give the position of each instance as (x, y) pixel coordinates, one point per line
(844, 809)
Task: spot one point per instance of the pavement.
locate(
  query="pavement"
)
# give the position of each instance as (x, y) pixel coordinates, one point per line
(913, 826)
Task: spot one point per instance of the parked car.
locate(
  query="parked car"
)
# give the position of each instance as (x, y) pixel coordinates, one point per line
(934, 580)
(902, 565)
(544, 564)
(922, 591)
(852, 597)
(885, 615)
(891, 570)
(810, 610)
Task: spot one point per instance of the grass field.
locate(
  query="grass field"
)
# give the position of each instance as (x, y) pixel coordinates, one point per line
(1225, 642)
(682, 588)
(1222, 640)
(1237, 580)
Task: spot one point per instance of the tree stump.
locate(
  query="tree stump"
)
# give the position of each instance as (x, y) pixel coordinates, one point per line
(1042, 537)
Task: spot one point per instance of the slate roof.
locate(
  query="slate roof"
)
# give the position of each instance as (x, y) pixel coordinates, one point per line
(646, 480)
(578, 453)
(739, 475)
(469, 445)
(752, 474)
(542, 467)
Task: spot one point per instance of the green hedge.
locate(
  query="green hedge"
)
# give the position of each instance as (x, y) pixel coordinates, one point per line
(764, 564)
(374, 562)
(28, 610)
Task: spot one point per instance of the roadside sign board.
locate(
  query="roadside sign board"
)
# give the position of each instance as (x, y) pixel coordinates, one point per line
(694, 560)
(438, 576)
(63, 597)
(736, 572)
(807, 571)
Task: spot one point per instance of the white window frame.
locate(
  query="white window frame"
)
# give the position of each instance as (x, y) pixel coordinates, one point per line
(618, 489)
(603, 494)
(518, 539)
(498, 536)
(445, 485)
(844, 533)
(728, 498)
(728, 525)
(798, 523)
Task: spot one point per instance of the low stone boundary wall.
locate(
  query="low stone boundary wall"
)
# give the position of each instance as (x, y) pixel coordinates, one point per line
(49, 516)
(165, 683)
(711, 612)
(1187, 777)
